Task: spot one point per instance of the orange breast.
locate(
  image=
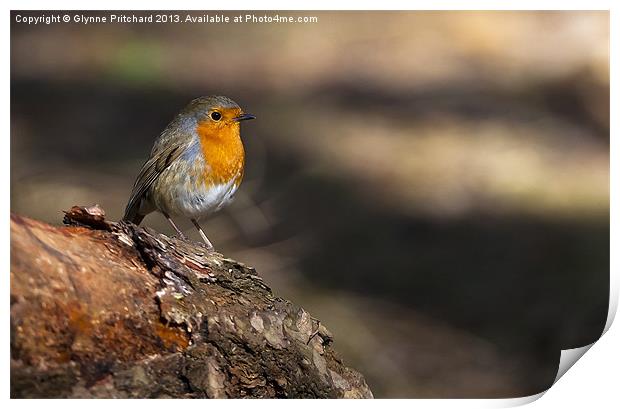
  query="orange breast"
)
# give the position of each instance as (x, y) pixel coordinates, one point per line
(223, 152)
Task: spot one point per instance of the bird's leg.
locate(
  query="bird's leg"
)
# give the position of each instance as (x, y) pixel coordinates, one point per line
(202, 234)
(174, 226)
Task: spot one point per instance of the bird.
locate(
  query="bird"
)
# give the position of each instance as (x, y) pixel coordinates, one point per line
(195, 167)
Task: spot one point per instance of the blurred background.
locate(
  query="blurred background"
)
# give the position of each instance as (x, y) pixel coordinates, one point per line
(434, 186)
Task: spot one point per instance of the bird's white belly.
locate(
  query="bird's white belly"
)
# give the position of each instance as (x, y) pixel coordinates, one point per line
(182, 194)
(180, 191)
(203, 200)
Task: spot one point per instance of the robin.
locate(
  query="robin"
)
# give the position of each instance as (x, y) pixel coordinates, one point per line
(195, 166)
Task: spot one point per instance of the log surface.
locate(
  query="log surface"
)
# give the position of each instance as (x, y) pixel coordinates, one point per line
(102, 309)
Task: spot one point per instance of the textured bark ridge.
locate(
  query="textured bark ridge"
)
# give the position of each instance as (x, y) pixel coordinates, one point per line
(102, 309)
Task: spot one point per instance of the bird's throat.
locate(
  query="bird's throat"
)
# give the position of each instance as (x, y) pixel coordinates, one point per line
(223, 153)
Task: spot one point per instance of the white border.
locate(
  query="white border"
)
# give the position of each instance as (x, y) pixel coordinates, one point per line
(314, 5)
(593, 379)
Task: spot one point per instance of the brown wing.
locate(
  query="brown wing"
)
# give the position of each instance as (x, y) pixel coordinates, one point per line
(150, 171)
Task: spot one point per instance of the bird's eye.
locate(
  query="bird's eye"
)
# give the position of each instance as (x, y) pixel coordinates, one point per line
(216, 116)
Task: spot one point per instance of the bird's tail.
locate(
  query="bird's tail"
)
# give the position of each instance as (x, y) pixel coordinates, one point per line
(132, 215)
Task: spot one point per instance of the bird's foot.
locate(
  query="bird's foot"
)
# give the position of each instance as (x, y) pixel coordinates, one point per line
(209, 247)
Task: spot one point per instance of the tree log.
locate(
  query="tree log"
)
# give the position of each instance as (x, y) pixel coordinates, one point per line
(102, 309)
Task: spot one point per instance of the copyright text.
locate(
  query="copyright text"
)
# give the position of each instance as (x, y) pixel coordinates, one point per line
(168, 18)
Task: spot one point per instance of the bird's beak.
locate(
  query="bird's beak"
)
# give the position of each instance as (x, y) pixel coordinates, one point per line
(244, 117)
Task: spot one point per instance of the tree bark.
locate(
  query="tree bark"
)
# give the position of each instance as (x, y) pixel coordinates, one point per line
(102, 309)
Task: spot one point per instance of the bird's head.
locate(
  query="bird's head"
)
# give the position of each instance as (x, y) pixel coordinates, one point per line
(216, 115)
